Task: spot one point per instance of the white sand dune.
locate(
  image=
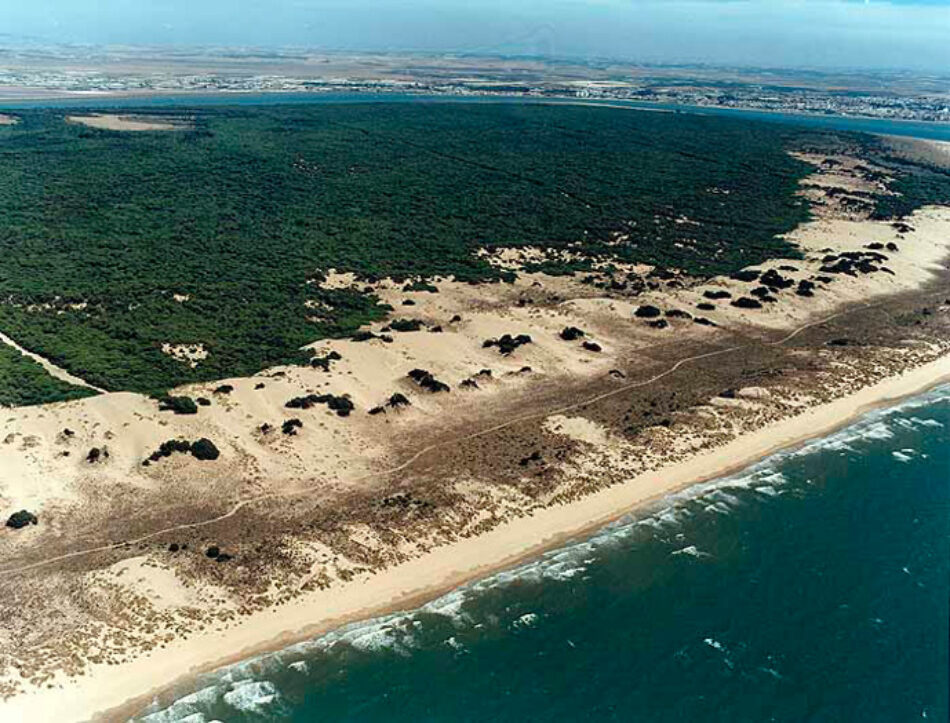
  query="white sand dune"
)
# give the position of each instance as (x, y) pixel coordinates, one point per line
(45, 469)
(111, 122)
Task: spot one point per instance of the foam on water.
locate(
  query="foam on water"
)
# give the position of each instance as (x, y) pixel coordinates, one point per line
(254, 696)
(878, 430)
(186, 707)
(449, 606)
(193, 718)
(528, 620)
(385, 637)
(904, 455)
(241, 686)
(691, 551)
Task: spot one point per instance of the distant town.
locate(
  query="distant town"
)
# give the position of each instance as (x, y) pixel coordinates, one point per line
(54, 71)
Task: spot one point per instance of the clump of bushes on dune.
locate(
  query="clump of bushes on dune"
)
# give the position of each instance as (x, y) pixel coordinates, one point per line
(178, 405)
(21, 519)
(507, 343)
(202, 449)
(425, 380)
(339, 404)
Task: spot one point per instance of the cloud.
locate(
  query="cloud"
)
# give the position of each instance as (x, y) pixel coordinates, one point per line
(878, 33)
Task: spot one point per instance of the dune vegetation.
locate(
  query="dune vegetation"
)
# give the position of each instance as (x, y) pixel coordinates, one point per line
(115, 245)
(24, 382)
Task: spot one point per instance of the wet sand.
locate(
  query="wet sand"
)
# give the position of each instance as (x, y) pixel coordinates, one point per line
(110, 693)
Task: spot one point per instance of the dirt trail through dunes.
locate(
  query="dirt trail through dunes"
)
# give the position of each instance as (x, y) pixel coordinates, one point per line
(51, 369)
(6, 573)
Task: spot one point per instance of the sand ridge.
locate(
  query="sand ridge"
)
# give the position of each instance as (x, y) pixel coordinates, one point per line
(540, 437)
(49, 467)
(134, 123)
(99, 694)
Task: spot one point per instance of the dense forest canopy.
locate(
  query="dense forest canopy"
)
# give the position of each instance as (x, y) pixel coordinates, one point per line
(101, 230)
(24, 382)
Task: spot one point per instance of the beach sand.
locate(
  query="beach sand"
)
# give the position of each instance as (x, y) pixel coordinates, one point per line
(110, 693)
(332, 460)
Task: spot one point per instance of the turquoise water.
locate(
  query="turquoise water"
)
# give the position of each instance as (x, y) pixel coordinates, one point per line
(811, 587)
(916, 129)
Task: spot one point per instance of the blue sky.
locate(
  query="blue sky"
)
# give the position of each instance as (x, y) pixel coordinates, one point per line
(816, 33)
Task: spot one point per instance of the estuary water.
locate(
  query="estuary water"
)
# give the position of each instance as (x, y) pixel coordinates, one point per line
(810, 587)
(916, 129)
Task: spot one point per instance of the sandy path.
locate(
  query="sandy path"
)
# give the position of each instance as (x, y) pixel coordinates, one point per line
(113, 693)
(422, 452)
(51, 369)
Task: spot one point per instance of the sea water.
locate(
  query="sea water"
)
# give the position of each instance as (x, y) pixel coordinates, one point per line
(812, 586)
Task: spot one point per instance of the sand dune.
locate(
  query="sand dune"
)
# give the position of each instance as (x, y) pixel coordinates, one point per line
(111, 122)
(105, 689)
(599, 470)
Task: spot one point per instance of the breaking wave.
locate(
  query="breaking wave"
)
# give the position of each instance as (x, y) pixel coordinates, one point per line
(248, 688)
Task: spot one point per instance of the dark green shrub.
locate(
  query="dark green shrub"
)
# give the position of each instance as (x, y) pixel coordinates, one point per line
(204, 449)
(178, 405)
(21, 519)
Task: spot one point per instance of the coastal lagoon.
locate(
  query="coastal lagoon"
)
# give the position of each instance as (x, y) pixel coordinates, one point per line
(93, 101)
(812, 586)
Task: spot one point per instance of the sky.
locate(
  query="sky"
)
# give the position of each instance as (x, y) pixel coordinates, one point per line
(912, 34)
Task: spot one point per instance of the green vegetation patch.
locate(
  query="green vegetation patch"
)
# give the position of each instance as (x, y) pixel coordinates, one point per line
(114, 245)
(915, 184)
(24, 382)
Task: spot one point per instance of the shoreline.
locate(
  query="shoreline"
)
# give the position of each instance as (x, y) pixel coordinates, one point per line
(114, 693)
(120, 99)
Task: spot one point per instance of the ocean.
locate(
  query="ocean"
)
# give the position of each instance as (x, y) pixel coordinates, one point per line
(813, 586)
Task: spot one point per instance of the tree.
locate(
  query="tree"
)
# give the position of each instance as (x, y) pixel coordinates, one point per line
(21, 519)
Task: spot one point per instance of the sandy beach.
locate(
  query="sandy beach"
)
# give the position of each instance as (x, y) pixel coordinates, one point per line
(341, 518)
(107, 693)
